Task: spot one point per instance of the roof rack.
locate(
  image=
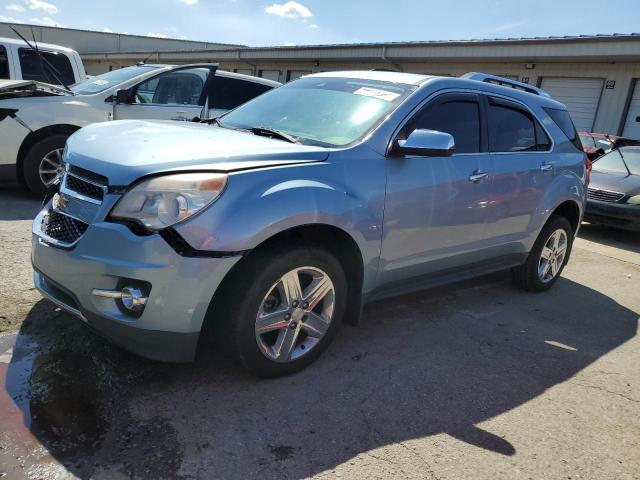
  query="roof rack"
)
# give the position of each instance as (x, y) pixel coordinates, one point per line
(505, 82)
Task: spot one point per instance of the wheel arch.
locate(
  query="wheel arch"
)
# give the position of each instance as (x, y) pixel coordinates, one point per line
(34, 137)
(334, 239)
(570, 210)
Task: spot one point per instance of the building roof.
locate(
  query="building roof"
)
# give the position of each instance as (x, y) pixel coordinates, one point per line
(596, 48)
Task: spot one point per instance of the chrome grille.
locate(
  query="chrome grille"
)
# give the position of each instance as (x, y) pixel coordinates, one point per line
(62, 228)
(84, 185)
(78, 185)
(604, 195)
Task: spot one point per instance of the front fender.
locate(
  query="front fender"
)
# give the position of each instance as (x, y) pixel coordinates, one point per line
(259, 204)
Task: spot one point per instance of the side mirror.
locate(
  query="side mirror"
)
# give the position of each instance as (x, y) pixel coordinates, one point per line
(427, 143)
(122, 96)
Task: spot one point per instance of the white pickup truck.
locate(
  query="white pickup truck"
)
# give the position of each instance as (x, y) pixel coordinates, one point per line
(18, 61)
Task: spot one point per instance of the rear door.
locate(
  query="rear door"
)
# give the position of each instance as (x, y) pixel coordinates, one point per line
(435, 211)
(174, 95)
(523, 169)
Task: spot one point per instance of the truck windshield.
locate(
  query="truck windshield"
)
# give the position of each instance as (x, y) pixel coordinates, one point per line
(321, 110)
(107, 80)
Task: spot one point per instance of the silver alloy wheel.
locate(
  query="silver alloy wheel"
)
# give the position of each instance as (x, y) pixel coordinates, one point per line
(51, 167)
(295, 314)
(552, 256)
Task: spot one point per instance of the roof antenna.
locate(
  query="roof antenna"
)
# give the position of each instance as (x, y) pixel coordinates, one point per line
(142, 62)
(43, 59)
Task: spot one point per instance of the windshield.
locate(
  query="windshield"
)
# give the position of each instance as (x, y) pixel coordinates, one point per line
(321, 110)
(618, 161)
(107, 80)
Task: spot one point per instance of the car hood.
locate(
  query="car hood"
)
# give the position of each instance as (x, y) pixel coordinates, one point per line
(126, 150)
(615, 182)
(27, 88)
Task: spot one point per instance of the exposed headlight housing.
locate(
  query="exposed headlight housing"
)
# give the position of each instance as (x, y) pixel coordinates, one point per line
(163, 201)
(635, 200)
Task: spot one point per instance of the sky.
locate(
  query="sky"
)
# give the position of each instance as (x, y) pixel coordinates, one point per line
(312, 22)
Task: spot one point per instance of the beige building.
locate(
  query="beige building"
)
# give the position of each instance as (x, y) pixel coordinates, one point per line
(595, 76)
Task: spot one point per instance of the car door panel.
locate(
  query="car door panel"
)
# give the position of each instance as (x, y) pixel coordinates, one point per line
(434, 214)
(173, 95)
(523, 170)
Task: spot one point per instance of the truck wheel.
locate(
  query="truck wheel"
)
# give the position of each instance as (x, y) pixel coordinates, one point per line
(43, 163)
(548, 256)
(281, 309)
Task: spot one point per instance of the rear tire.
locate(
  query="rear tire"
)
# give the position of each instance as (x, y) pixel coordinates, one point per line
(254, 300)
(540, 272)
(43, 163)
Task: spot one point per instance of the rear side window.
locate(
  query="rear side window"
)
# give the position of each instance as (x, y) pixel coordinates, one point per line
(33, 68)
(563, 120)
(4, 63)
(461, 119)
(515, 130)
(227, 93)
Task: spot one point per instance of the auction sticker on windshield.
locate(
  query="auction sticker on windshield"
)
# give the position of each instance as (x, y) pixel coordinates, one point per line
(377, 93)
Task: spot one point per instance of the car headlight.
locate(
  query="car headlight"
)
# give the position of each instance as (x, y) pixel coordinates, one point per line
(169, 199)
(635, 200)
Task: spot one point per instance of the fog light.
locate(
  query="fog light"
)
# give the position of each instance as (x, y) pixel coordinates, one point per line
(131, 298)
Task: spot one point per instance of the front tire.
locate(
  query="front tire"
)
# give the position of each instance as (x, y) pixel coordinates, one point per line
(43, 163)
(548, 256)
(281, 309)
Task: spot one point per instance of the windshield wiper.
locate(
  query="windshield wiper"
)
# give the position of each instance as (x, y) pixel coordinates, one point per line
(271, 133)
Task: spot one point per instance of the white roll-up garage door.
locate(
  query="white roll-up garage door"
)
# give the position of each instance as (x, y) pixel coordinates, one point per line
(632, 122)
(270, 74)
(580, 95)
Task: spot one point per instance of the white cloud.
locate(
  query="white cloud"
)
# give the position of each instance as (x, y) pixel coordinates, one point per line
(290, 9)
(289, 44)
(508, 26)
(188, 2)
(14, 7)
(313, 26)
(49, 8)
(47, 22)
(157, 35)
(9, 19)
(107, 30)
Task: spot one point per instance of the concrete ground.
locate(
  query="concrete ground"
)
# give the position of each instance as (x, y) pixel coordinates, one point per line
(476, 380)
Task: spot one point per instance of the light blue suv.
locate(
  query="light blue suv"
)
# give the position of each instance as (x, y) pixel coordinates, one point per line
(268, 227)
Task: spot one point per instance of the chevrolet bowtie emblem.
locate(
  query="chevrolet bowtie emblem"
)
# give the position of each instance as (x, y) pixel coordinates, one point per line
(59, 202)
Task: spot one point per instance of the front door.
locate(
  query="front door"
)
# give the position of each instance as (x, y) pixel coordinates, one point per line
(435, 208)
(173, 95)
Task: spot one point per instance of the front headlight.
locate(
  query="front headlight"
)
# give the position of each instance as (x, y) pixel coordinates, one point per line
(164, 201)
(635, 200)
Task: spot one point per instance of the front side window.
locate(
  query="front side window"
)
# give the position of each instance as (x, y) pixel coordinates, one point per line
(178, 87)
(4, 63)
(34, 68)
(460, 119)
(100, 83)
(331, 111)
(227, 93)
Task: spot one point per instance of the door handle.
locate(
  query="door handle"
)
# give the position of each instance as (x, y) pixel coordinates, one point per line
(476, 176)
(546, 167)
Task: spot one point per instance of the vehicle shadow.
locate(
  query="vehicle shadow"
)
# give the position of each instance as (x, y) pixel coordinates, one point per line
(612, 237)
(434, 362)
(17, 203)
